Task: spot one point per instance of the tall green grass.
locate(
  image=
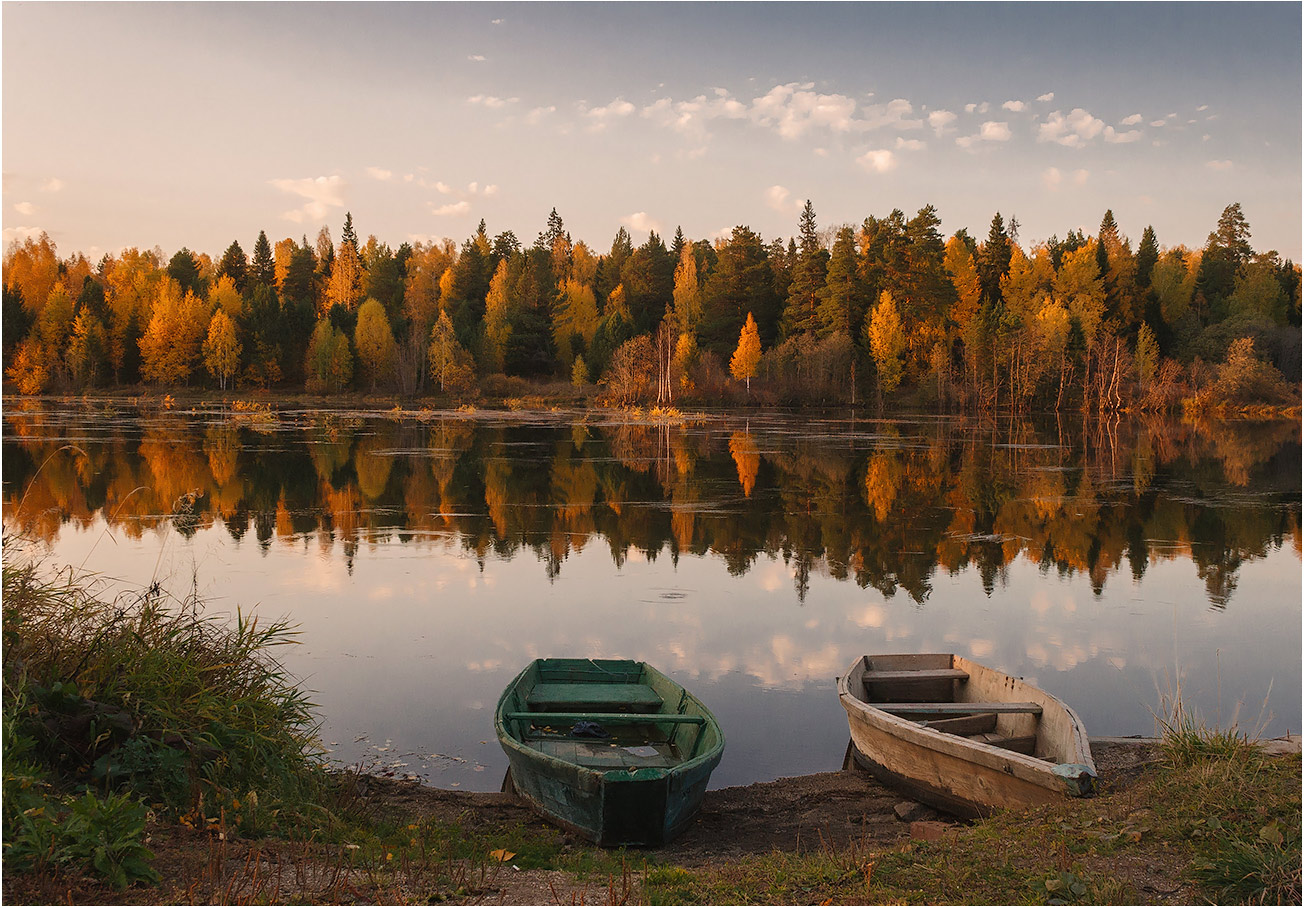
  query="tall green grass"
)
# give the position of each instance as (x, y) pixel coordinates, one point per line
(144, 697)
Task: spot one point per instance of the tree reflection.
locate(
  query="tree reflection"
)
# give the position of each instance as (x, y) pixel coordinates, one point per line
(885, 510)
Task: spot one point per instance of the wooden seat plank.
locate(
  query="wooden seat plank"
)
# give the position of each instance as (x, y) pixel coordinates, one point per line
(920, 674)
(607, 697)
(964, 725)
(958, 709)
(608, 718)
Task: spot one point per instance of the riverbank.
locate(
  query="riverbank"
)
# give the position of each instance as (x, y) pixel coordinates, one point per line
(521, 396)
(827, 838)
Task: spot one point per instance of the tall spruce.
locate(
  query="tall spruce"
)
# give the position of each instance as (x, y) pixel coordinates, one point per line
(840, 306)
(234, 265)
(262, 270)
(801, 312)
(1146, 256)
(994, 260)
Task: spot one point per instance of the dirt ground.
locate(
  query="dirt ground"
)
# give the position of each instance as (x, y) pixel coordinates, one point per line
(797, 814)
(792, 814)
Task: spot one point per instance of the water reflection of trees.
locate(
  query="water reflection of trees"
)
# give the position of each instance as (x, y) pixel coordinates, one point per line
(886, 510)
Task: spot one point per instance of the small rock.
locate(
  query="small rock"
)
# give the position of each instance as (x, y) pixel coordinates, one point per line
(930, 830)
(909, 811)
(1281, 746)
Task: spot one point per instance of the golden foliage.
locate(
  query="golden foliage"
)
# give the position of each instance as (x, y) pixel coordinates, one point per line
(747, 459)
(746, 357)
(170, 347)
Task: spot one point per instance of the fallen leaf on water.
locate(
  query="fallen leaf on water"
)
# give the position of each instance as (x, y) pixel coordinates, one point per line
(502, 855)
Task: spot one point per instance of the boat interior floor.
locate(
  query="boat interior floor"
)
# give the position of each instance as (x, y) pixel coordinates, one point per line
(609, 754)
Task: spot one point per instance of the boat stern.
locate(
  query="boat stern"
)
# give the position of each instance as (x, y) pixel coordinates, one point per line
(1080, 780)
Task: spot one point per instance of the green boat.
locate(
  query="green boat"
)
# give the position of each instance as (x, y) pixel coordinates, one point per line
(610, 749)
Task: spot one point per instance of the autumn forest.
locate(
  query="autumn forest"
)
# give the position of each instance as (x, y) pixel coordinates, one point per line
(888, 312)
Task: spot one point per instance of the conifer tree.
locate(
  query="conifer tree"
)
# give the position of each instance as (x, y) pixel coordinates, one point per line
(1146, 256)
(839, 307)
(800, 314)
(262, 270)
(234, 265)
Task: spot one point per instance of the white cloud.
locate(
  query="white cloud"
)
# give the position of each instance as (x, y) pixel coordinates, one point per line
(1051, 178)
(1201, 108)
(535, 116)
(820, 152)
(497, 21)
(440, 186)
(54, 184)
(475, 58)
(1157, 123)
(379, 173)
(491, 189)
(494, 103)
(904, 144)
(322, 194)
(1130, 121)
(977, 108)
(1048, 96)
(618, 107)
(452, 208)
(1219, 165)
(1204, 138)
(25, 208)
(1080, 176)
(940, 119)
(780, 199)
(1121, 138)
(1075, 130)
(793, 108)
(19, 234)
(878, 161)
(991, 131)
(1014, 106)
(641, 221)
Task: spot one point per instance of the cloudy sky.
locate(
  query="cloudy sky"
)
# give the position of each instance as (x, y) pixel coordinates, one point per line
(196, 124)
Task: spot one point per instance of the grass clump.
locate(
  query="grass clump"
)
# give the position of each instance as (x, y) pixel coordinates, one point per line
(1215, 819)
(114, 709)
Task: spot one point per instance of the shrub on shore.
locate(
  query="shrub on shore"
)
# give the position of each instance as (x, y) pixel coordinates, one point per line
(113, 708)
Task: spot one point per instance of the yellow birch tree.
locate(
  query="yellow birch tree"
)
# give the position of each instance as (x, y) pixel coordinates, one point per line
(221, 348)
(887, 341)
(743, 363)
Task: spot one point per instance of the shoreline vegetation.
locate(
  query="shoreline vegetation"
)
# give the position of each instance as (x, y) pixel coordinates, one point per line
(153, 754)
(885, 315)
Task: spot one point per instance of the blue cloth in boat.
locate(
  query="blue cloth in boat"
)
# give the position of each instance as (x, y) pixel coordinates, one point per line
(589, 730)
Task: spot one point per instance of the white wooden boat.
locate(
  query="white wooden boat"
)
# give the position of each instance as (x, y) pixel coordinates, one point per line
(962, 737)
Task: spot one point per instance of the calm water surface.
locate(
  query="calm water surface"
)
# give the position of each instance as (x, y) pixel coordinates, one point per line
(427, 557)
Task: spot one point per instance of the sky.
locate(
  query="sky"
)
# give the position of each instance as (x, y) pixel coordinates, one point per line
(196, 124)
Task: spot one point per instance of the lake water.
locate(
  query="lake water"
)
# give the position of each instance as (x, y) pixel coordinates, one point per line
(426, 557)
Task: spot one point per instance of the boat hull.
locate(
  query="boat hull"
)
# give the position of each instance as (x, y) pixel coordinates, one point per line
(647, 807)
(965, 777)
(611, 805)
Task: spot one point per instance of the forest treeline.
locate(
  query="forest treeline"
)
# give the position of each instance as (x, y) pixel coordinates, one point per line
(888, 311)
(1094, 497)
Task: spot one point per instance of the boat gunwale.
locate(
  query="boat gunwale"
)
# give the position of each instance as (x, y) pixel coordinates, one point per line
(596, 775)
(1029, 768)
